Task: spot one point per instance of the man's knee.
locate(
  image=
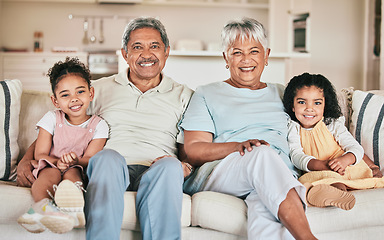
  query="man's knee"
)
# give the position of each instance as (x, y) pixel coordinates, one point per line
(106, 163)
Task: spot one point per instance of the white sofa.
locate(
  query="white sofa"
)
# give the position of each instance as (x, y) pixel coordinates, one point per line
(205, 215)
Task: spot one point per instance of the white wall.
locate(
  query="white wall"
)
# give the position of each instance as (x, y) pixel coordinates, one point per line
(20, 20)
(337, 41)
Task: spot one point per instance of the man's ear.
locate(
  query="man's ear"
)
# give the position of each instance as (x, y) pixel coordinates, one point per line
(124, 54)
(54, 101)
(167, 52)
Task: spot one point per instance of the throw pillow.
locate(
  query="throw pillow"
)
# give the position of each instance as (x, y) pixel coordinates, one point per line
(10, 93)
(367, 124)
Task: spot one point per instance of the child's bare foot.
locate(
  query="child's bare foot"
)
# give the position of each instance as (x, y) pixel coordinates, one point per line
(324, 195)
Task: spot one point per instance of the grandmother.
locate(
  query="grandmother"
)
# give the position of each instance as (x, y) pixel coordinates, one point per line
(235, 133)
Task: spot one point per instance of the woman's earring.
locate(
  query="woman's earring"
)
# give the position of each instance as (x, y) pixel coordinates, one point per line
(266, 64)
(226, 66)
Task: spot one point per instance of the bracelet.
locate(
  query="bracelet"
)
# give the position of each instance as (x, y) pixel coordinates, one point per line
(189, 166)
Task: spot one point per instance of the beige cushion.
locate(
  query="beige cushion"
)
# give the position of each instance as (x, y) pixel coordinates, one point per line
(367, 124)
(10, 93)
(16, 201)
(34, 105)
(219, 212)
(367, 212)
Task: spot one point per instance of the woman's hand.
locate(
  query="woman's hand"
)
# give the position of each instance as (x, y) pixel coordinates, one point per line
(248, 145)
(340, 163)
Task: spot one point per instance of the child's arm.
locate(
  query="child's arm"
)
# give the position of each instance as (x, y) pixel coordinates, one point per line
(297, 155)
(94, 147)
(43, 146)
(340, 163)
(375, 169)
(318, 165)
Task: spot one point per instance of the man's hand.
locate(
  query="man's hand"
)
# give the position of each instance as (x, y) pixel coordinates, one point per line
(24, 172)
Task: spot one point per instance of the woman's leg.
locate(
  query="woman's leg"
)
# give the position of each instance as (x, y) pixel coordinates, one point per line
(46, 179)
(292, 216)
(263, 176)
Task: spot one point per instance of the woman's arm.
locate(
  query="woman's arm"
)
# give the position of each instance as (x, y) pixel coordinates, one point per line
(200, 148)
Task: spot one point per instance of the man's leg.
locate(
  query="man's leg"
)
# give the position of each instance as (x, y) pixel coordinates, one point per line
(159, 200)
(104, 200)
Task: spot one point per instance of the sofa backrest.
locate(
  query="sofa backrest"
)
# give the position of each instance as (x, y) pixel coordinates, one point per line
(34, 104)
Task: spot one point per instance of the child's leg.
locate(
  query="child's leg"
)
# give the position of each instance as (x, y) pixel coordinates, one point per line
(69, 195)
(43, 213)
(73, 174)
(324, 195)
(45, 181)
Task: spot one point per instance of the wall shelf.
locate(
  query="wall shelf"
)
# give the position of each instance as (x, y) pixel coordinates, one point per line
(211, 3)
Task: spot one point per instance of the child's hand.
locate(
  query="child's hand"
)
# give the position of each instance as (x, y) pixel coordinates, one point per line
(61, 165)
(340, 163)
(70, 158)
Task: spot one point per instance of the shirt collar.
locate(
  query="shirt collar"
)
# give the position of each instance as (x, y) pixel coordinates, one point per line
(164, 86)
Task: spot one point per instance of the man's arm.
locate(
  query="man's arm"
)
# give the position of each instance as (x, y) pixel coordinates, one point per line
(25, 166)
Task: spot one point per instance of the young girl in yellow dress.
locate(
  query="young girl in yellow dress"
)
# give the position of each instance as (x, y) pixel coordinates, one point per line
(322, 146)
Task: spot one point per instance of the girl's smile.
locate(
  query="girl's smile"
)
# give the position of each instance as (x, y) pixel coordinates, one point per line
(72, 96)
(308, 106)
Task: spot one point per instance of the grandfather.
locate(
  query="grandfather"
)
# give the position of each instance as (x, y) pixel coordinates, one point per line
(142, 108)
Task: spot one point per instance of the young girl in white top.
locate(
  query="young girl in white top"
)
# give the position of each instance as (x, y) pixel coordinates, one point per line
(67, 139)
(321, 144)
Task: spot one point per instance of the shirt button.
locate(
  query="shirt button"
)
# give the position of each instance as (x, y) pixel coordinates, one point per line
(60, 125)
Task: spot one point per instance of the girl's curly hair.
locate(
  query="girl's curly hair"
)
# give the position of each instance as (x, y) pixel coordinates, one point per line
(332, 109)
(71, 66)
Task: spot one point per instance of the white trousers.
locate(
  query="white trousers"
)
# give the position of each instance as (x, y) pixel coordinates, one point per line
(262, 176)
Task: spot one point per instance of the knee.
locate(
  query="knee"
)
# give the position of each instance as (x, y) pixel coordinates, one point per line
(106, 163)
(168, 167)
(169, 164)
(106, 158)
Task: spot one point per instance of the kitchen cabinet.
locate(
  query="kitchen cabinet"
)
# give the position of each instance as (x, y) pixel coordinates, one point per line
(31, 68)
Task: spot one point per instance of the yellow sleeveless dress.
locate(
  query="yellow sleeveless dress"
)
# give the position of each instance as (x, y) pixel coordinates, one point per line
(320, 143)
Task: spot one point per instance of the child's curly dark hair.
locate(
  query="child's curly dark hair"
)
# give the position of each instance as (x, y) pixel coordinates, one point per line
(332, 109)
(71, 66)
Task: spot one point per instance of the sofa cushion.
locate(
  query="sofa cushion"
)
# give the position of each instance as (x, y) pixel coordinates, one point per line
(15, 201)
(367, 124)
(220, 212)
(368, 212)
(34, 105)
(10, 92)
